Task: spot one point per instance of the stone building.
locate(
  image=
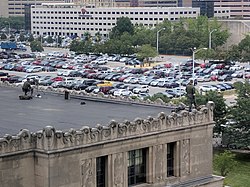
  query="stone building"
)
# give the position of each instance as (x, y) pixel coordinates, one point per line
(174, 150)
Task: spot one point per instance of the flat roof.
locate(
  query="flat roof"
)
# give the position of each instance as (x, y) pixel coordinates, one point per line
(54, 110)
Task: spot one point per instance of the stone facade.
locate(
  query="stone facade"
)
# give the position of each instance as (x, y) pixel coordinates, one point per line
(52, 158)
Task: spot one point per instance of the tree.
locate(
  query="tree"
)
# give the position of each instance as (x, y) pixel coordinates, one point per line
(146, 51)
(220, 110)
(50, 39)
(36, 46)
(241, 52)
(123, 24)
(87, 36)
(239, 131)
(225, 162)
(31, 38)
(98, 37)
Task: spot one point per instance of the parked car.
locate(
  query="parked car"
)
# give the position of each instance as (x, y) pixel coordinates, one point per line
(122, 92)
(206, 88)
(141, 89)
(225, 78)
(34, 69)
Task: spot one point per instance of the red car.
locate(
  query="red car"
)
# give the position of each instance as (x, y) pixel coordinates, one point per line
(57, 79)
(214, 78)
(168, 65)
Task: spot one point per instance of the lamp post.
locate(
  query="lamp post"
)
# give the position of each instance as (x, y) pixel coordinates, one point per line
(194, 52)
(157, 39)
(9, 28)
(210, 38)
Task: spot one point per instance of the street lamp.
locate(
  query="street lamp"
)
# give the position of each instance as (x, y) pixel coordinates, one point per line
(210, 38)
(157, 39)
(9, 28)
(194, 52)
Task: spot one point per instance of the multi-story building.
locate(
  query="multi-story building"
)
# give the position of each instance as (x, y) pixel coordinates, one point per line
(17, 7)
(70, 19)
(238, 8)
(206, 7)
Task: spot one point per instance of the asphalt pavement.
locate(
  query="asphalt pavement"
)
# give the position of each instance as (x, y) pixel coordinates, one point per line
(63, 114)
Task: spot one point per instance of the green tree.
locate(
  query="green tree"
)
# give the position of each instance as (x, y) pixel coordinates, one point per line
(225, 162)
(234, 53)
(36, 46)
(239, 132)
(50, 39)
(31, 38)
(143, 35)
(161, 96)
(98, 37)
(146, 51)
(123, 24)
(220, 110)
(15, 23)
(241, 52)
(87, 36)
(81, 47)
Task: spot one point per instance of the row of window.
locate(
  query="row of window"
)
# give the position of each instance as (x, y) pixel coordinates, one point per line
(114, 18)
(69, 28)
(221, 11)
(137, 166)
(127, 13)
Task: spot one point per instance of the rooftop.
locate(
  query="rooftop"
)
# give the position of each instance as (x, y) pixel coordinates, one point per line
(52, 109)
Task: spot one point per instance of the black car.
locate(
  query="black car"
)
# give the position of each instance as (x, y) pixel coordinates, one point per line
(2, 74)
(225, 77)
(90, 89)
(82, 86)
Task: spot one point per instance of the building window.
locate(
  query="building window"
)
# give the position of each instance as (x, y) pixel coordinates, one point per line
(136, 167)
(101, 171)
(171, 147)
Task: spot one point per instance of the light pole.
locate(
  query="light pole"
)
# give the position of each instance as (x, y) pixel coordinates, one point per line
(157, 39)
(9, 28)
(194, 52)
(210, 38)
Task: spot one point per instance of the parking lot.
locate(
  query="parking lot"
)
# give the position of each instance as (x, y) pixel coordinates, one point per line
(121, 76)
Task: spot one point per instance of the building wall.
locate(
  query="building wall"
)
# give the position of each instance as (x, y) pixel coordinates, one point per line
(239, 8)
(59, 159)
(16, 7)
(4, 8)
(238, 29)
(76, 20)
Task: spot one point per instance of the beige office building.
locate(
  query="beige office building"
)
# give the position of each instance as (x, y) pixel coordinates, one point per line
(238, 8)
(16, 7)
(70, 19)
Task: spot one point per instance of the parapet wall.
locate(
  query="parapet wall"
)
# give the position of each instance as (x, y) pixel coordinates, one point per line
(49, 139)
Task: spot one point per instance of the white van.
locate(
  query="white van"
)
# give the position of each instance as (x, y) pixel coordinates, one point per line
(69, 80)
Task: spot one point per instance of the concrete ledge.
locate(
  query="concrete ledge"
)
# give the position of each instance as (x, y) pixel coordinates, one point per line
(208, 181)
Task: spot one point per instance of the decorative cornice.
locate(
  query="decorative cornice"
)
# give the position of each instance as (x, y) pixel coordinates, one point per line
(49, 139)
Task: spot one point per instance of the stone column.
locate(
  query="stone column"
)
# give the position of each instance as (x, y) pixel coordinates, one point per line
(118, 169)
(88, 168)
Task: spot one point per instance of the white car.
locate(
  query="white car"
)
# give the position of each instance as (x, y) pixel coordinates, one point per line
(141, 89)
(206, 88)
(33, 69)
(205, 78)
(154, 82)
(122, 92)
(236, 67)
